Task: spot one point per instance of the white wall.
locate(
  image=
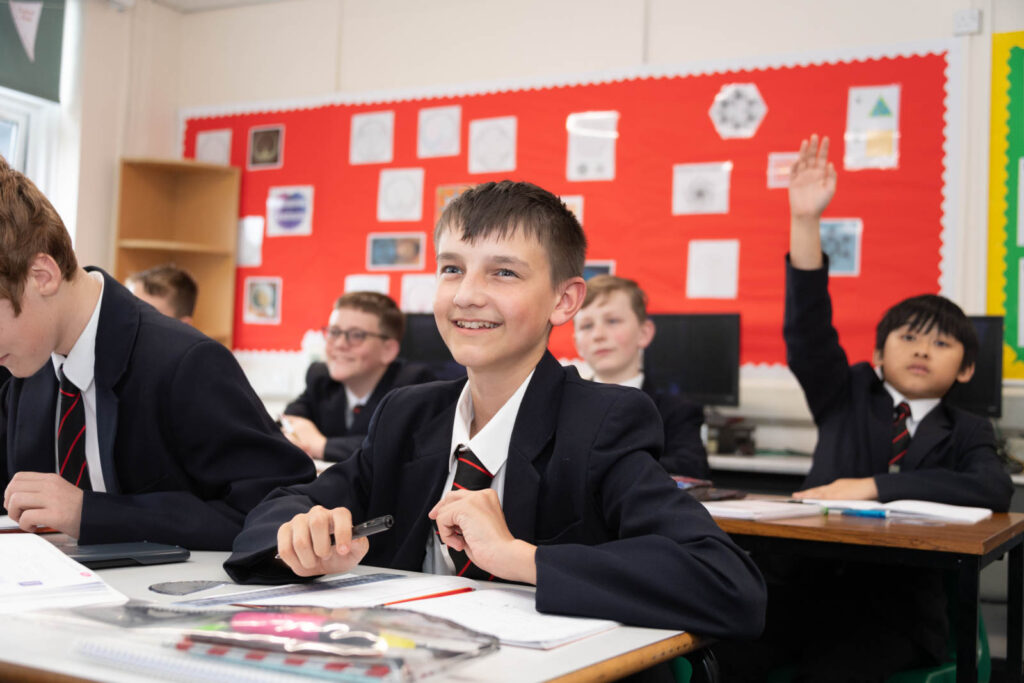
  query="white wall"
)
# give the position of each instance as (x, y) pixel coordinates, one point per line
(141, 65)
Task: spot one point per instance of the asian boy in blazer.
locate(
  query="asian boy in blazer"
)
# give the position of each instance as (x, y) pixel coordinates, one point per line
(574, 500)
(177, 446)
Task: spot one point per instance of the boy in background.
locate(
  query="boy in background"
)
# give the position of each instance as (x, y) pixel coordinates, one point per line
(168, 289)
(119, 424)
(332, 415)
(611, 331)
(524, 472)
(884, 433)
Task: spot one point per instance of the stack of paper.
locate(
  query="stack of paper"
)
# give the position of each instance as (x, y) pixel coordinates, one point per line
(910, 508)
(759, 509)
(34, 574)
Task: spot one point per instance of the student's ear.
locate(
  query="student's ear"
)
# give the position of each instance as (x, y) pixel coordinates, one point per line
(647, 331)
(965, 374)
(44, 275)
(187, 319)
(570, 297)
(876, 358)
(389, 351)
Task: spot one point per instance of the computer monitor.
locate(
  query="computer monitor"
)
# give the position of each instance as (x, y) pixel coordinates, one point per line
(696, 356)
(422, 343)
(983, 395)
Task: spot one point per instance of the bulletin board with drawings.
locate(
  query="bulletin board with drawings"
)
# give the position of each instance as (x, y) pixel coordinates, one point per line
(679, 180)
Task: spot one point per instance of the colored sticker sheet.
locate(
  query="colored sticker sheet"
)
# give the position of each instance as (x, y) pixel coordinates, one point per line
(681, 194)
(1006, 246)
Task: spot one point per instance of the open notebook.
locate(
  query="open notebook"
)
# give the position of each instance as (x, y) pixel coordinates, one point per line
(910, 508)
(759, 509)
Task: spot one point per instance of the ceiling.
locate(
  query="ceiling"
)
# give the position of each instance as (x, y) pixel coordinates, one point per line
(190, 6)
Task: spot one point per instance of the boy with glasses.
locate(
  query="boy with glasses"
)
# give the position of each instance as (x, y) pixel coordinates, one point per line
(331, 417)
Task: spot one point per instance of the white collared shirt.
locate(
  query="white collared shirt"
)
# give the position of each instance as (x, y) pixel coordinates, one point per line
(490, 446)
(919, 407)
(351, 401)
(637, 381)
(80, 368)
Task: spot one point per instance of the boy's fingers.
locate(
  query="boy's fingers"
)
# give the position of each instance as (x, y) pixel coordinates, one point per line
(342, 521)
(320, 531)
(823, 150)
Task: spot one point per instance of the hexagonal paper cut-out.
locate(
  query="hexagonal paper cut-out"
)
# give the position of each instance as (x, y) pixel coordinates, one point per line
(738, 110)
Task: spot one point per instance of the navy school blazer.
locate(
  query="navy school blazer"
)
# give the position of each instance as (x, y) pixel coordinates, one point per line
(616, 538)
(952, 457)
(684, 451)
(186, 447)
(324, 402)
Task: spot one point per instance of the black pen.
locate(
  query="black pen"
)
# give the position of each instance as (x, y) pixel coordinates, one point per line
(373, 526)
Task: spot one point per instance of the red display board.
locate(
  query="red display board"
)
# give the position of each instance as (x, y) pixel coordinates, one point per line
(663, 121)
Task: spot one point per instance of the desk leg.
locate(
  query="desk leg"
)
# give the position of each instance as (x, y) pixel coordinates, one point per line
(1015, 614)
(967, 621)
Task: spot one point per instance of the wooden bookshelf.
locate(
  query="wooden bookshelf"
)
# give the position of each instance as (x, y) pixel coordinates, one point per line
(185, 213)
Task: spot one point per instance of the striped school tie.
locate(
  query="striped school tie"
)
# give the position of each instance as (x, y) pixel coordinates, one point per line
(900, 435)
(470, 475)
(71, 435)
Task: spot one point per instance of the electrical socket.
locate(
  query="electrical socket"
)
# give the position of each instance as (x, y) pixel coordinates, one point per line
(966, 22)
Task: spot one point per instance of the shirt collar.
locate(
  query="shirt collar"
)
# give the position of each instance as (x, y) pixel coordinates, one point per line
(919, 407)
(80, 364)
(491, 444)
(636, 382)
(351, 400)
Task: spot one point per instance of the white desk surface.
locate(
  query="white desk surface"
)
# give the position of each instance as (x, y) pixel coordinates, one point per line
(32, 643)
(781, 464)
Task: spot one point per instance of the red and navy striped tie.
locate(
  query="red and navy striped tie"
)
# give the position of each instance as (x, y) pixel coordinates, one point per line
(900, 435)
(470, 475)
(71, 435)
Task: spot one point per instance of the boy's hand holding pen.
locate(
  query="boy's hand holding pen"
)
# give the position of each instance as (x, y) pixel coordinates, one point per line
(324, 541)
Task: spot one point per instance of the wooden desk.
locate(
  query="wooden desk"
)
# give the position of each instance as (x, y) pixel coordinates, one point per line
(36, 651)
(960, 548)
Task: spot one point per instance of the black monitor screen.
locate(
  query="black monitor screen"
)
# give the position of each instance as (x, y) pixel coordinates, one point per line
(983, 395)
(697, 356)
(422, 343)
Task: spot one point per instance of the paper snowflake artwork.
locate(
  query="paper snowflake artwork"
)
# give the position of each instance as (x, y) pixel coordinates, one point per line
(738, 110)
(841, 240)
(701, 188)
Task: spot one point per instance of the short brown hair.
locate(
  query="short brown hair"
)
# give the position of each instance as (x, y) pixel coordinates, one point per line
(29, 226)
(392, 320)
(169, 282)
(504, 207)
(603, 285)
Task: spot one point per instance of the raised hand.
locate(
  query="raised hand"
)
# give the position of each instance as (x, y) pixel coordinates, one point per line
(812, 180)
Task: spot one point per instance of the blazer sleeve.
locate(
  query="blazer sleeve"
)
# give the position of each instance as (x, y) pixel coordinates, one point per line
(684, 451)
(812, 343)
(221, 440)
(670, 566)
(338, 448)
(305, 404)
(977, 479)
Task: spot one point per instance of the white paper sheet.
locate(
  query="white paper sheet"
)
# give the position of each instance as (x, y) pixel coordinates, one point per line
(372, 138)
(872, 128)
(290, 211)
(214, 146)
(400, 194)
(439, 132)
(492, 145)
(712, 269)
(250, 241)
(779, 165)
(701, 188)
(418, 293)
(262, 304)
(591, 150)
(368, 282)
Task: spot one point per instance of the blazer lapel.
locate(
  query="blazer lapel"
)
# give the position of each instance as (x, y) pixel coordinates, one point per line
(426, 470)
(533, 430)
(934, 428)
(880, 429)
(34, 450)
(115, 339)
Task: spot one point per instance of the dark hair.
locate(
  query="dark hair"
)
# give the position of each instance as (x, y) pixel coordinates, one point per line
(601, 286)
(927, 311)
(169, 281)
(392, 320)
(502, 208)
(29, 226)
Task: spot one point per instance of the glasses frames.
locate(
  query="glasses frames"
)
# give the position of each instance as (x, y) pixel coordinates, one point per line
(352, 335)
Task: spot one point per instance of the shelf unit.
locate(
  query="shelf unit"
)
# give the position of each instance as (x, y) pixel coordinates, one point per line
(185, 213)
